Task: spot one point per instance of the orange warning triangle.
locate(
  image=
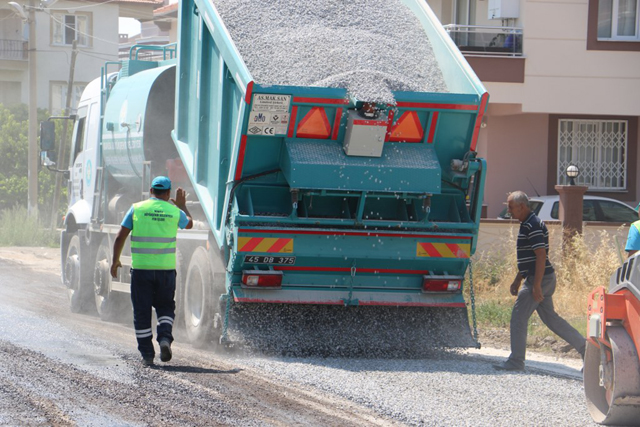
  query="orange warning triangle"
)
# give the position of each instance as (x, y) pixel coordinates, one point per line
(407, 128)
(314, 125)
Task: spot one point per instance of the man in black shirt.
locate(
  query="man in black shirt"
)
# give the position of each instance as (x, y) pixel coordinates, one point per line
(539, 285)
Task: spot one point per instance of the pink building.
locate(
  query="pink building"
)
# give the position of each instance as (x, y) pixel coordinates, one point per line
(564, 84)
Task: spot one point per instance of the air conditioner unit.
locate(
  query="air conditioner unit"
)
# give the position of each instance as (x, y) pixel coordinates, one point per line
(504, 9)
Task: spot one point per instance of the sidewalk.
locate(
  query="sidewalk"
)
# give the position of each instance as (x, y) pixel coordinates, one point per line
(553, 365)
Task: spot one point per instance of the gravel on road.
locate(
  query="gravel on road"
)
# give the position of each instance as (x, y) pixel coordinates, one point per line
(62, 369)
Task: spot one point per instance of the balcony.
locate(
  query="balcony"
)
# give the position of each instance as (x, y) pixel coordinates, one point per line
(493, 41)
(494, 53)
(14, 49)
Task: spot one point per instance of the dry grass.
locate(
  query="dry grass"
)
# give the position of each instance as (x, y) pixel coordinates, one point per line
(580, 268)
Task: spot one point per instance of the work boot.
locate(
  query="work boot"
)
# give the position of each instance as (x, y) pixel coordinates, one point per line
(147, 361)
(508, 366)
(165, 350)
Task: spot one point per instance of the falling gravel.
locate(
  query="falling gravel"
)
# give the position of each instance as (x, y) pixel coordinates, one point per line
(369, 47)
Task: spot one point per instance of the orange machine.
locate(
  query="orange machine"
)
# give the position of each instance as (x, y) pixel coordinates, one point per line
(611, 363)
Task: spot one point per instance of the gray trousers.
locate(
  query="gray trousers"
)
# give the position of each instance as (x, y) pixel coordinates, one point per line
(523, 309)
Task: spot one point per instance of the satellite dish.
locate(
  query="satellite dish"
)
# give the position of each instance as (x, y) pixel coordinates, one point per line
(19, 10)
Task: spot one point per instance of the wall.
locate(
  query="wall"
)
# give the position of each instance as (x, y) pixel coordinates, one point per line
(561, 75)
(54, 60)
(516, 154)
(497, 237)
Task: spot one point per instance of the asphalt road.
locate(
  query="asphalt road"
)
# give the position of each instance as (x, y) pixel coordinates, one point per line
(63, 369)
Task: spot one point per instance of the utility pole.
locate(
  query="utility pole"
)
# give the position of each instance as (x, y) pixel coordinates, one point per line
(61, 161)
(32, 164)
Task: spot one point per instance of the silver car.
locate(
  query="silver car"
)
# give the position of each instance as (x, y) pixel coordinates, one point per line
(593, 209)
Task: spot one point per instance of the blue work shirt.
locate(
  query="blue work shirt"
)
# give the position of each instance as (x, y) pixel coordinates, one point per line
(128, 218)
(633, 239)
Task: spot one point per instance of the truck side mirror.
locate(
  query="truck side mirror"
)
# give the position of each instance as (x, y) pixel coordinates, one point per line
(47, 136)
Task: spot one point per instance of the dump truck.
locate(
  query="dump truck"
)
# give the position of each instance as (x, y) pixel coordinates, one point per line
(612, 361)
(317, 213)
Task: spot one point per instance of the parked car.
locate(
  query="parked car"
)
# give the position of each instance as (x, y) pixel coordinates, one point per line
(593, 209)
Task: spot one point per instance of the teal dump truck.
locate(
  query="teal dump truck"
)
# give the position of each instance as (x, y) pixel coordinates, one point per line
(317, 213)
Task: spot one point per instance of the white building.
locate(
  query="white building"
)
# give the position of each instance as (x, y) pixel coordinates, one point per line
(92, 23)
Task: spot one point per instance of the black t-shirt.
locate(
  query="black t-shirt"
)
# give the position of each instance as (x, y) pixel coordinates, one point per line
(533, 234)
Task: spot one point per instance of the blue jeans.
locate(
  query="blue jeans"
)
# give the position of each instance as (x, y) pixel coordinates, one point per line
(523, 309)
(152, 289)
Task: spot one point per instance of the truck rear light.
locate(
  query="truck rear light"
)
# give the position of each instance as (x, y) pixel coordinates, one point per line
(441, 284)
(264, 279)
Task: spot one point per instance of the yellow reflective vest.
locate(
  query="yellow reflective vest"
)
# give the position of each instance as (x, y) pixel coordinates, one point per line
(153, 238)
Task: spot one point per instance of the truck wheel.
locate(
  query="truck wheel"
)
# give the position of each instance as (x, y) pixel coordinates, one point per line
(76, 279)
(201, 297)
(110, 305)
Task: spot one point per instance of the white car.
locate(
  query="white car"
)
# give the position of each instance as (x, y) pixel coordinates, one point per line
(593, 209)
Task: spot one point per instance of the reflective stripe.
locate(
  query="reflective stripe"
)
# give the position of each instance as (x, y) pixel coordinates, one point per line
(153, 239)
(144, 333)
(153, 251)
(165, 319)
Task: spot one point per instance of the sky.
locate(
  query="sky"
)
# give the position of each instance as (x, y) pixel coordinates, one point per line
(128, 26)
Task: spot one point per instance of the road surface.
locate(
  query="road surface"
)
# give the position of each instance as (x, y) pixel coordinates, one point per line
(63, 369)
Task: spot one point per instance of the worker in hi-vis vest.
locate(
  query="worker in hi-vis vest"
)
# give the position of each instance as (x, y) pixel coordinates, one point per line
(153, 225)
(633, 239)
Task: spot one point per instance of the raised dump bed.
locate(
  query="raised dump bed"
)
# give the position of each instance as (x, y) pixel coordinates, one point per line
(332, 147)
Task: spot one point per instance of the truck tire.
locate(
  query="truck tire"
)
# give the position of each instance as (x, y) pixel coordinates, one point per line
(77, 279)
(110, 304)
(201, 301)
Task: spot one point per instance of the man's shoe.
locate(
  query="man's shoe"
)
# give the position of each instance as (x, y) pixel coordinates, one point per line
(165, 350)
(147, 361)
(508, 366)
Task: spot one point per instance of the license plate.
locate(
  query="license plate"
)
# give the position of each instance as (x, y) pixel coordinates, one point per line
(263, 259)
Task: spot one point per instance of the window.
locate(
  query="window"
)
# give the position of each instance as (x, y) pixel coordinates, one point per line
(59, 96)
(67, 28)
(617, 212)
(598, 148)
(78, 135)
(618, 20)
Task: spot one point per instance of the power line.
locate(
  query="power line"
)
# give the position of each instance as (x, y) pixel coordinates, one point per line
(92, 5)
(82, 7)
(80, 32)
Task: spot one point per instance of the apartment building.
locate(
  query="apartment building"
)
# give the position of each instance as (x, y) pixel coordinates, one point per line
(564, 84)
(93, 24)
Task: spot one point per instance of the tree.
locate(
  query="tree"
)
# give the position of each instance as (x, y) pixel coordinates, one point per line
(14, 149)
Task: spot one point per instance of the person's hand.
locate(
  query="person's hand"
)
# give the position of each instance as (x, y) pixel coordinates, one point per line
(537, 293)
(114, 269)
(515, 286)
(181, 198)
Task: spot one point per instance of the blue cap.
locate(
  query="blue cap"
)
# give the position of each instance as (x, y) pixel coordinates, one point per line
(161, 183)
(638, 208)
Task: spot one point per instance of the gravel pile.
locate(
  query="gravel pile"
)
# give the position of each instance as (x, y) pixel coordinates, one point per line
(369, 47)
